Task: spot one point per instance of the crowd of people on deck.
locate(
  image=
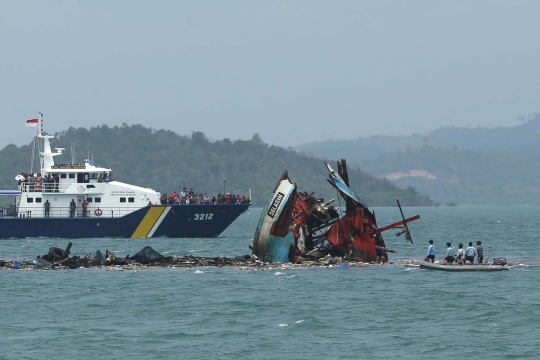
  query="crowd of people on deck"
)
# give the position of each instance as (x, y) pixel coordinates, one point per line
(190, 197)
(462, 257)
(37, 182)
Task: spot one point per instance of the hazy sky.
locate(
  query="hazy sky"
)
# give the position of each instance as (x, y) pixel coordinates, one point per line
(292, 71)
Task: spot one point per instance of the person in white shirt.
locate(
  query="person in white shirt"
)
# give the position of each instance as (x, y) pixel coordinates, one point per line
(461, 254)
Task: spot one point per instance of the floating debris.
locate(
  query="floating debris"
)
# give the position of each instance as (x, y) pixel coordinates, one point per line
(148, 258)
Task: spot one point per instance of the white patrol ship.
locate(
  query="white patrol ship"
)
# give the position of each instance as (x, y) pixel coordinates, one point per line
(84, 201)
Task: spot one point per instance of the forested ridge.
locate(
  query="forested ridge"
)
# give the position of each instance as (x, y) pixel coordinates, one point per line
(452, 164)
(167, 162)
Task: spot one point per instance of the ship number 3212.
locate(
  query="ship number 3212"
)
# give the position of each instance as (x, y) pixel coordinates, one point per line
(203, 216)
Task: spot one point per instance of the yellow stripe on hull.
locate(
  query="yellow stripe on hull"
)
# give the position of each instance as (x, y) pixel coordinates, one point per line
(148, 221)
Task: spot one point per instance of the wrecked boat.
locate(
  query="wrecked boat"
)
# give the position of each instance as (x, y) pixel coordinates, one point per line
(296, 226)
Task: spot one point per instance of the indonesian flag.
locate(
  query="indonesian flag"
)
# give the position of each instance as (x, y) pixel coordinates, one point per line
(32, 122)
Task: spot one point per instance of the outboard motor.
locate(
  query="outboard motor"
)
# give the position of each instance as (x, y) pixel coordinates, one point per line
(499, 261)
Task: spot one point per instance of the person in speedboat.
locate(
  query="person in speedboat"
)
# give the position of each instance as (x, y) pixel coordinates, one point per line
(449, 259)
(480, 252)
(461, 254)
(430, 252)
(470, 253)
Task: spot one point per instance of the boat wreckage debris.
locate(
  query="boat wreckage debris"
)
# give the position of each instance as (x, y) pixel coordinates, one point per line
(148, 258)
(57, 259)
(296, 226)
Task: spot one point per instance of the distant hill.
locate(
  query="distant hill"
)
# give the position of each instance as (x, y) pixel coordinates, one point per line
(462, 165)
(167, 162)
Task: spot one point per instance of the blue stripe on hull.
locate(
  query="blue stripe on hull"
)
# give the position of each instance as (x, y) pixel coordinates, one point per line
(279, 248)
(189, 221)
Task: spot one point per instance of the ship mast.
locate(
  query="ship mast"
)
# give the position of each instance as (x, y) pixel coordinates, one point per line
(46, 158)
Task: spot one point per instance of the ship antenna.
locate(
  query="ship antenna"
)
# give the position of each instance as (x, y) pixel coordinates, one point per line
(36, 143)
(40, 124)
(46, 158)
(72, 153)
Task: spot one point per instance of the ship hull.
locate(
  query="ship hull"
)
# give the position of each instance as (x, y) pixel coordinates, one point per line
(461, 268)
(173, 221)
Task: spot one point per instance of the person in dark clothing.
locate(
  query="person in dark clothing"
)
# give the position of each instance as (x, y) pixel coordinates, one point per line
(72, 208)
(479, 252)
(56, 182)
(47, 206)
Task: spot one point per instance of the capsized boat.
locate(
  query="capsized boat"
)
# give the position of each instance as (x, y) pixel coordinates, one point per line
(460, 268)
(50, 204)
(295, 226)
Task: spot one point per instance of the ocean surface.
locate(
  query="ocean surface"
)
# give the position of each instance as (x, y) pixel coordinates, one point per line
(378, 312)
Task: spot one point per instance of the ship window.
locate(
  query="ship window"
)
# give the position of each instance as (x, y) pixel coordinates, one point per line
(82, 177)
(72, 176)
(93, 175)
(38, 200)
(97, 199)
(62, 176)
(122, 199)
(131, 199)
(29, 200)
(90, 187)
(89, 200)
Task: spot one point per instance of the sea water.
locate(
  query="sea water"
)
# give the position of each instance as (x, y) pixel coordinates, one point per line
(377, 312)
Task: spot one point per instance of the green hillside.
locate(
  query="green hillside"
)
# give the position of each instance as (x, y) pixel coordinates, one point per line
(450, 164)
(167, 162)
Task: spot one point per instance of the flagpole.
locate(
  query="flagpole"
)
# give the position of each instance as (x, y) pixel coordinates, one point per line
(40, 123)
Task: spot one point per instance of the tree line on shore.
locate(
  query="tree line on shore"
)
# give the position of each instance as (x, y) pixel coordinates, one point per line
(167, 162)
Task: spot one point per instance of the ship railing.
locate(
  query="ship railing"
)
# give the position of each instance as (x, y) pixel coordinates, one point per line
(46, 188)
(64, 212)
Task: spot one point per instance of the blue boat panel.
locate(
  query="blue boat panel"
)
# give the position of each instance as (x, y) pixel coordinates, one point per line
(345, 189)
(199, 220)
(278, 248)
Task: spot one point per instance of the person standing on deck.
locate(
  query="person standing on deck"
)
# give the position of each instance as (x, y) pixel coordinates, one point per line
(56, 181)
(47, 206)
(84, 207)
(430, 252)
(72, 208)
(470, 253)
(480, 252)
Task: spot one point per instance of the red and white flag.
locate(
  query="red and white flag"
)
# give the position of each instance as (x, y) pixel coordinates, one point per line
(32, 122)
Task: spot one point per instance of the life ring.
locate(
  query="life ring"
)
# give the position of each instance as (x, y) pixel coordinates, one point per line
(98, 212)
